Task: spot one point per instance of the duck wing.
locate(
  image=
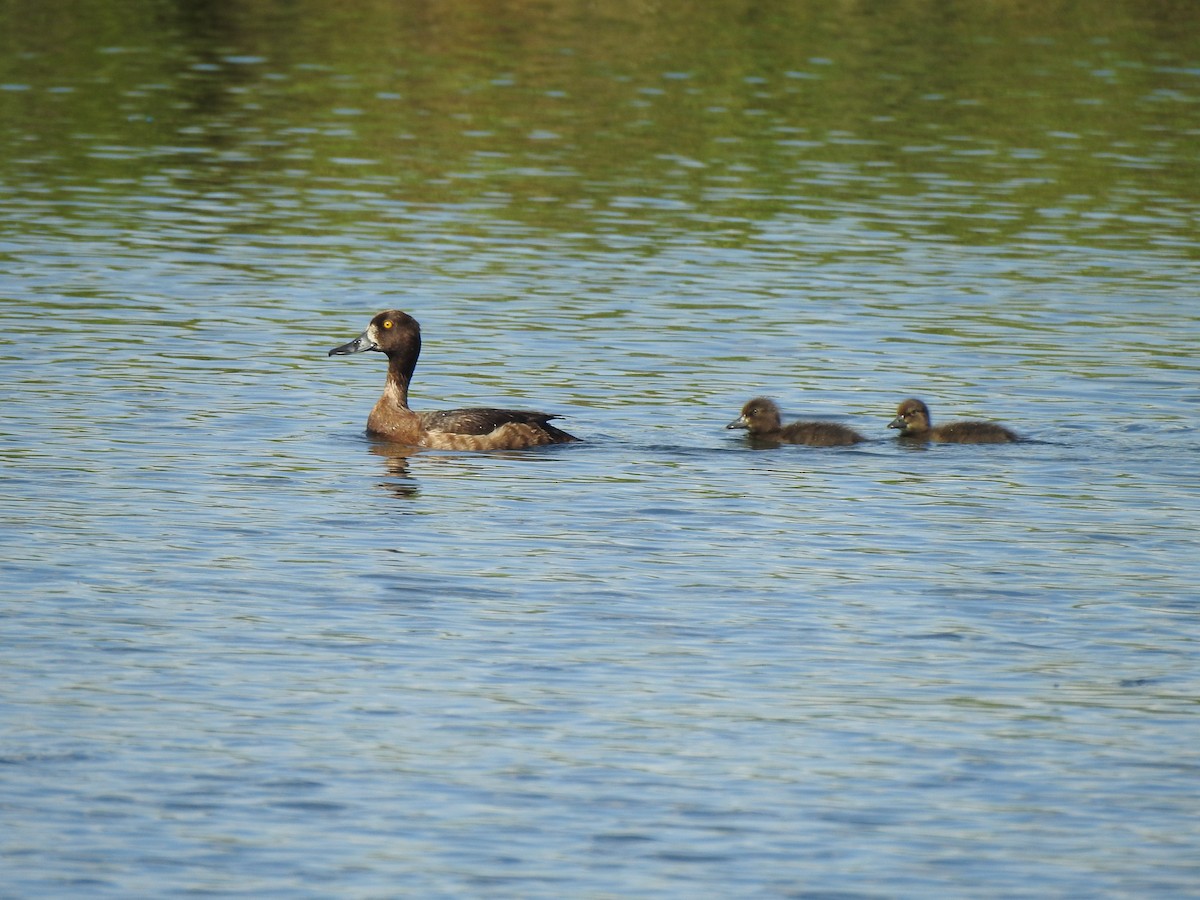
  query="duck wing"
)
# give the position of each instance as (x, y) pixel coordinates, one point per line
(482, 420)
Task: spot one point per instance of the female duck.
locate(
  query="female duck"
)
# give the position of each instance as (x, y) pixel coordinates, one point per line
(398, 335)
(761, 418)
(912, 418)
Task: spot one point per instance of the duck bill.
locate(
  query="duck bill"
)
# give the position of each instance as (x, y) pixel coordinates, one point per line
(739, 422)
(358, 345)
(897, 422)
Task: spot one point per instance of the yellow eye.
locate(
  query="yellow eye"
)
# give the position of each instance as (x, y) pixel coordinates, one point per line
(387, 323)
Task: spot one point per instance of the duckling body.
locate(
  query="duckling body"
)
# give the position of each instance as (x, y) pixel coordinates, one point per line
(912, 418)
(398, 336)
(760, 417)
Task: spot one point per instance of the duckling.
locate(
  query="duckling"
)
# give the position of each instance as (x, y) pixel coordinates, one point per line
(912, 418)
(761, 418)
(397, 335)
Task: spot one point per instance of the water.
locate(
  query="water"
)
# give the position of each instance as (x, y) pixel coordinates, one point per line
(250, 652)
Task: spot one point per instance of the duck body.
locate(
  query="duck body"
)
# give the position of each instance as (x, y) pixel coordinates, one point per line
(912, 418)
(398, 336)
(760, 417)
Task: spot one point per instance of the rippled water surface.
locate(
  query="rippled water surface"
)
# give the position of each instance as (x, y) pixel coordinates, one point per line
(250, 652)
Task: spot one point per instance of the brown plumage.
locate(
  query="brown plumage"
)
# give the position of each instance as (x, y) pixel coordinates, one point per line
(912, 418)
(761, 418)
(398, 335)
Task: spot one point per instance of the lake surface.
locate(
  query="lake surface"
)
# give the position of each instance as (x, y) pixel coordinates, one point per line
(250, 652)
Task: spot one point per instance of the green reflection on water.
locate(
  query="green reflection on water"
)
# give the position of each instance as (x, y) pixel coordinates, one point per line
(977, 123)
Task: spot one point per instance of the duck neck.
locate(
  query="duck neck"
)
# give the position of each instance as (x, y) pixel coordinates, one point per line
(400, 372)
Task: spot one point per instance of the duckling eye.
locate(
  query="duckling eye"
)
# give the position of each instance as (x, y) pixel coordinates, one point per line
(387, 323)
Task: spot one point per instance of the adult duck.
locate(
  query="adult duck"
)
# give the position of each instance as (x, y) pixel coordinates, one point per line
(397, 335)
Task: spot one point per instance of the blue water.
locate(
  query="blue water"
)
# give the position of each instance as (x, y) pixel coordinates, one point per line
(250, 652)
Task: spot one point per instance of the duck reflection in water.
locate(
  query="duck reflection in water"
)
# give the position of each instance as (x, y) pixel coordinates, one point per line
(400, 483)
(760, 417)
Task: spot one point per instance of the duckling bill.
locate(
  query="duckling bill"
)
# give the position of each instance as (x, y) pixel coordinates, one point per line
(398, 336)
(761, 418)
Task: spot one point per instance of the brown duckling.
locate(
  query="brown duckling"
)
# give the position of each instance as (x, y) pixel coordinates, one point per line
(761, 418)
(398, 335)
(912, 418)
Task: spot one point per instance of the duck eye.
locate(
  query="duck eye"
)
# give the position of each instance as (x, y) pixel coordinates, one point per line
(387, 323)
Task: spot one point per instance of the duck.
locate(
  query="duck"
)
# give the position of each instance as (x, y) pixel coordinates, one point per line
(760, 417)
(397, 335)
(912, 418)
